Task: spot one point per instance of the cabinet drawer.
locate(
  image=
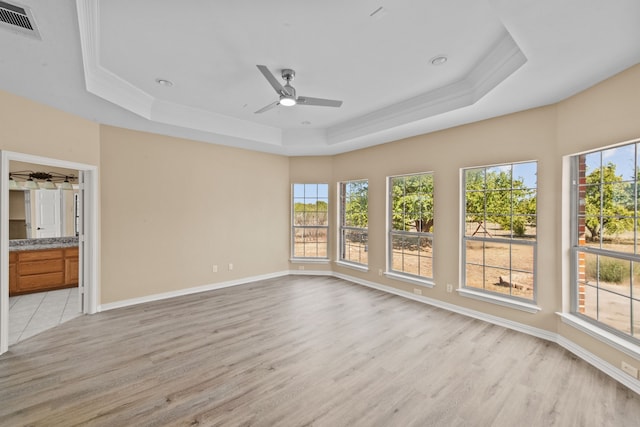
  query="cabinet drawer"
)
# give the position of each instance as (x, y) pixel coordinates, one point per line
(40, 267)
(28, 283)
(40, 255)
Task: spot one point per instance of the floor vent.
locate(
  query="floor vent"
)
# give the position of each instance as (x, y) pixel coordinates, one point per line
(18, 19)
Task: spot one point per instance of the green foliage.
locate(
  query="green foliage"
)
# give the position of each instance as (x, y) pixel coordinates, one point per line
(504, 201)
(519, 227)
(356, 203)
(610, 271)
(310, 213)
(412, 198)
(608, 202)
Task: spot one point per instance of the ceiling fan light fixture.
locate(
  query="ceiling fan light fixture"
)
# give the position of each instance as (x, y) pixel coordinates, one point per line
(287, 101)
(287, 93)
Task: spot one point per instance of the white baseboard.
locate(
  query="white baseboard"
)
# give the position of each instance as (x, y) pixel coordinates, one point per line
(188, 291)
(310, 273)
(520, 327)
(604, 366)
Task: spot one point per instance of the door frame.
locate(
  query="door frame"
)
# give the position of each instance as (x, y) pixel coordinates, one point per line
(89, 259)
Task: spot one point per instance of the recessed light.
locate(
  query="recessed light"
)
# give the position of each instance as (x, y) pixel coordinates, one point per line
(164, 82)
(438, 60)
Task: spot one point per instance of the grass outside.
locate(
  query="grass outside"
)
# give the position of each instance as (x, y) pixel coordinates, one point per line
(612, 291)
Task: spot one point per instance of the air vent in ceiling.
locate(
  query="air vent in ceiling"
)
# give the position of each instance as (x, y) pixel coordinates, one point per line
(18, 19)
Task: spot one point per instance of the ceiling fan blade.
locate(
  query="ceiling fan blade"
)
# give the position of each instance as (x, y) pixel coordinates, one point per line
(280, 90)
(306, 100)
(268, 107)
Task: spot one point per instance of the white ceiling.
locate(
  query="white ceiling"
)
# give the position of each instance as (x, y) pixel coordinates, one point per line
(101, 60)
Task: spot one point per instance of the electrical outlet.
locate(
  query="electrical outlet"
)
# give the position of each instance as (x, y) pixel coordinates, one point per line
(417, 291)
(449, 287)
(230, 266)
(214, 268)
(301, 267)
(379, 272)
(629, 369)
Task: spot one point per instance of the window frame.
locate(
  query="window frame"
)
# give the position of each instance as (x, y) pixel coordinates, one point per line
(343, 228)
(577, 270)
(509, 300)
(294, 227)
(427, 281)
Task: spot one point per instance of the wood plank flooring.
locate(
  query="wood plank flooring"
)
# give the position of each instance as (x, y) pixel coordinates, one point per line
(300, 351)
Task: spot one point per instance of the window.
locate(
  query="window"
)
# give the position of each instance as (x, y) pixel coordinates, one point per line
(310, 220)
(499, 237)
(354, 208)
(411, 226)
(606, 251)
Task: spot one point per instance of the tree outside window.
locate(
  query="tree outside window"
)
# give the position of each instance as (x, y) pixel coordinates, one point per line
(411, 225)
(500, 229)
(606, 254)
(354, 221)
(310, 224)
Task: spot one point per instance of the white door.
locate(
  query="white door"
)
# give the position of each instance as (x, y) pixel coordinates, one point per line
(79, 202)
(48, 207)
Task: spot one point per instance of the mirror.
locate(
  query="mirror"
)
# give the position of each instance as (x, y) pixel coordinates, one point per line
(42, 213)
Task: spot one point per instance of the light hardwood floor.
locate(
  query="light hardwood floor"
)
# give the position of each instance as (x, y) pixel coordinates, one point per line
(299, 351)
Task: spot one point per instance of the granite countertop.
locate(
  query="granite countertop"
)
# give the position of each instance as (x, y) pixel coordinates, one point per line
(44, 243)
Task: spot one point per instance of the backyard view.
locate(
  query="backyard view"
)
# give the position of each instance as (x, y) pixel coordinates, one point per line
(609, 278)
(500, 229)
(500, 232)
(310, 220)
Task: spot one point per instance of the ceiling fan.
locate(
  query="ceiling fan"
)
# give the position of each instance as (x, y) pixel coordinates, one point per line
(287, 92)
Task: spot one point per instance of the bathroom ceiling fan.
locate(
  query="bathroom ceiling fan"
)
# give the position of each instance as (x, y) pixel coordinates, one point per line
(287, 92)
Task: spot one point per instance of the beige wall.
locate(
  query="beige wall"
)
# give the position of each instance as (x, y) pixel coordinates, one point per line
(193, 205)
(173, 208)
(602, 115)
(32, 128)
(517, 137)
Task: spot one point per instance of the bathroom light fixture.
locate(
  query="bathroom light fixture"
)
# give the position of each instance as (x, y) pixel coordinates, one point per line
(13, 184)
(66, 185)
(48, 180)
(48, 185)
(31, 184)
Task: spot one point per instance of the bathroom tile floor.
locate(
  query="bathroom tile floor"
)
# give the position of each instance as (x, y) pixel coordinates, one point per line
(31, 314)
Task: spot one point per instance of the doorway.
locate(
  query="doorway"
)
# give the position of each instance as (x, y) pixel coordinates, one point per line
(86, 222)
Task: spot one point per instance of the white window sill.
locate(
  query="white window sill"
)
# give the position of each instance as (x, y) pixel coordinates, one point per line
(602, 335)
(503, 301)
(359, 267)
(410, 279)
(309, 260)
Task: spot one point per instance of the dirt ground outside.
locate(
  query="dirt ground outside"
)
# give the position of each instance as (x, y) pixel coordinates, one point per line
(614, 304)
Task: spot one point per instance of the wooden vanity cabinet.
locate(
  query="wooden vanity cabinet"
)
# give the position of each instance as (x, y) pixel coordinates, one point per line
(71, 266)
(13, 258)
(42, 270)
